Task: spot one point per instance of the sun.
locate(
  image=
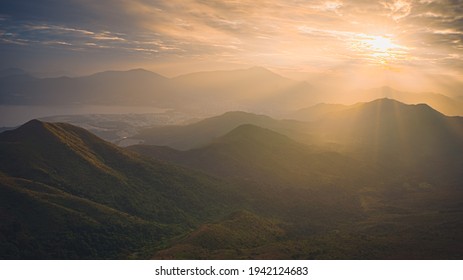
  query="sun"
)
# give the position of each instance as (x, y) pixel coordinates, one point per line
(380, 44)
(379, 49)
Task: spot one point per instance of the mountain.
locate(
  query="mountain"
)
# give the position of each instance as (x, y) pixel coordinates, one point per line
(249, 152)
(201, 133)
(276, 172)
(10, 78)
(255, 89)
(395, 134)
(384, 131)
(442, 103)
(362, 204)
(250, 192)
(68, 194)
(225, 239)
(315, 112)
(133, 87)
(116, 128)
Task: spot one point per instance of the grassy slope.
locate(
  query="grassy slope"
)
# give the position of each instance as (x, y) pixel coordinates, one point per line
(88, 172)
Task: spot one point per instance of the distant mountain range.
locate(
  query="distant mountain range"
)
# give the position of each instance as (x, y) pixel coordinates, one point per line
(442, 103)
(255, 89)
(376, 180)
(252, 89)
(369, 127)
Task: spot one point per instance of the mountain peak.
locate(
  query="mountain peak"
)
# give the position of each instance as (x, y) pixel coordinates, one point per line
(127, 73)
(32, 131)
(35, 131)
(246, 133)
(33, 123)
(385, 100)
(259, 69)
(240, 114)
(389, 102)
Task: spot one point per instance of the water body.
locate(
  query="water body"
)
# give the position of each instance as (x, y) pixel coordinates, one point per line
(14, 115)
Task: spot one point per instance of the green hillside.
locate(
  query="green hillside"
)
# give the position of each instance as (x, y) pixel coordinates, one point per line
(58, 166)
(225, 239)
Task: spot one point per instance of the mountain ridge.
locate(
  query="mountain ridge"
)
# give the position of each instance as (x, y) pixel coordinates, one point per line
(205, 131)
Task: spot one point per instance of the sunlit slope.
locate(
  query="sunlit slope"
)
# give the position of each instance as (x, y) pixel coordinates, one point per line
(442, 103)
(62, 167)
(386, 130)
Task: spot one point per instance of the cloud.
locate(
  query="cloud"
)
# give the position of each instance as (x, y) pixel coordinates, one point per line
(290, 33)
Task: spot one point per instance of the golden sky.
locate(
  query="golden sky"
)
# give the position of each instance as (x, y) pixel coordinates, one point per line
(419, 38)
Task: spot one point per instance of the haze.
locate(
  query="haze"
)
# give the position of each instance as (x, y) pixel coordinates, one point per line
(409, 45)
(157, 129)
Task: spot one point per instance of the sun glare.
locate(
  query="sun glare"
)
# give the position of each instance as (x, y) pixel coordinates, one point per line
(380, 44)
(380, 48)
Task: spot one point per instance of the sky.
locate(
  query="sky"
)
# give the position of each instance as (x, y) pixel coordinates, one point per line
(407, 41)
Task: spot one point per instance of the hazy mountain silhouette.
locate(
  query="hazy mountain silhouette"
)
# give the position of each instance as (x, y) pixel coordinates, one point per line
(394, 134)
(249, 152)
(442, 103)
(133, 87)
(201, 133)
(316, 112)
(383, 129)
(254, 89)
